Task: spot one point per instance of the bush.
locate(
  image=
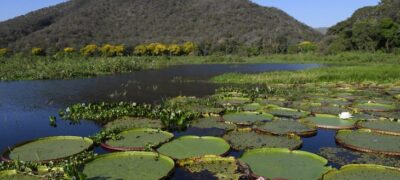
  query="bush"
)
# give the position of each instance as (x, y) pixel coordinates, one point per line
(5, 52)
(140, 50)
(189, 48)
(38, 52)
(89, 50)
(108, 50)
(307, 46)
(69, 50)
(174, 50)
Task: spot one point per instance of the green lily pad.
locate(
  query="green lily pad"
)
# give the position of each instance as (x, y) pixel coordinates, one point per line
(213, 123)
(202, 109)
(326, 110)
(287, 112)
(375, 107)
(247, 118)
(234, 101)
(247, 139)
(363, 172)
(272, 101)
(393, 90)
(129, 165)
(330, 122)
(13, 175)
(397, 96)
(252, 107)
(132, 122)
(367, 141)
(275, 163)
(222, 167)
(333, 101)
(49, 148)
(381, 126)
(138, 140)
(194, 146)
(284, 127)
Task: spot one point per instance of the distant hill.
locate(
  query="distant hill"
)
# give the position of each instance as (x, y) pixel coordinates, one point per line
(210, 23)
(369, 28)
(322, 30)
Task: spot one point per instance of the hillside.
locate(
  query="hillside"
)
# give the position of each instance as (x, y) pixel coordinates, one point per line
(369, 28)
(209, 23)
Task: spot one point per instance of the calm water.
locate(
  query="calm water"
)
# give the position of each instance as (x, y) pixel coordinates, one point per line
(25, 106)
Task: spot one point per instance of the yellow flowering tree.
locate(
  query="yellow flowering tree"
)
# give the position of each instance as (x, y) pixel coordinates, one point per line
(188, 48)
(38, 51)
(119, 50)
(174, 49)
(4, 52)
(159, 49)
(140, 50)
(69, 50)
(89, 50)
(307, 46)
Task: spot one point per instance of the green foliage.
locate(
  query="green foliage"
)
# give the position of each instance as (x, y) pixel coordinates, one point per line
(159, 49)
(174, 50)
(307, 46)
(106, 112)
(140, 50)
(89, 50)
(38, 52)
(189, 48)
(69, 50)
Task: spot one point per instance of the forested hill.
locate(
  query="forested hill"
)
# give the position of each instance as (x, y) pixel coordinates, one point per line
(370, 28)
(209, 23)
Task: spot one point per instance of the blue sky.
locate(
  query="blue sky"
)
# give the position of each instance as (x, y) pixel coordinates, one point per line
(316, 13)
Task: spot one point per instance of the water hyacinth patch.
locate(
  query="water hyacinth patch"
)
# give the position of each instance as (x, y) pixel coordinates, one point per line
(14, 175)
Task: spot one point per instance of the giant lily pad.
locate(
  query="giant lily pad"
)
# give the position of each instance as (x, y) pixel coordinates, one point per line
(247, 118)
(247, 139)
(132, 122)
(252, 107)
(275, 163)
(363, 171)
(49, 148)
(221, 167)
(212, 123)
(234, 101)
(138, 140)
(381, 126)
(284, 127)
(330, 121)
(375, 107)
(13, 175)
(287, 112)
(194, 146)
(367, 141)
(397, 96)
(129, 165)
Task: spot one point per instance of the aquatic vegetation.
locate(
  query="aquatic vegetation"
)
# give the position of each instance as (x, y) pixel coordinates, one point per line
(129, 165)
(138, 140)
(286, 127)
(194, 146)
(367, 141)
(125, 123)
(330, 121)
(376, 107)
(342, 156)
(381, 126)
(286, 112)
(220, 167)
(363, 171)
(106, 112)
(276, 163)
(243, 139)
(234, 101)
(252, 107)
(13, 175)
(214, 122)
(49, 148)
(247, 118)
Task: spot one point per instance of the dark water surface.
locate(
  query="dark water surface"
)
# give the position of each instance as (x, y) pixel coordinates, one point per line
(25, 106)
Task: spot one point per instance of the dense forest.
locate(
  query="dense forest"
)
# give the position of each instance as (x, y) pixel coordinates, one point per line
(369, 29)
(214, 25)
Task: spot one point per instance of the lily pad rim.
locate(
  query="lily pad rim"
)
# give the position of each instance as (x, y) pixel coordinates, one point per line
(351, 166)
(114, 148)
(359, 126)
(309, 133)
(305, 120)
(5, 155)
(349, 146)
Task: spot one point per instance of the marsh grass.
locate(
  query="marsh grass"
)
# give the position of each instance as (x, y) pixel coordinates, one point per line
(347, 74)
(19, 67)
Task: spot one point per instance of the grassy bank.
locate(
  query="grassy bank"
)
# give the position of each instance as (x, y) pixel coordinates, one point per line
(348, 74)
(33, 68)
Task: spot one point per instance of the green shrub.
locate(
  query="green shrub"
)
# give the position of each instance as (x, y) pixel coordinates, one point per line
(5, 52)
(69, 50)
